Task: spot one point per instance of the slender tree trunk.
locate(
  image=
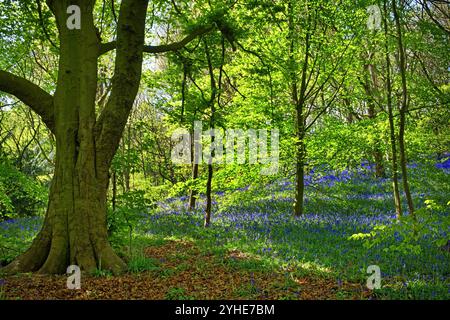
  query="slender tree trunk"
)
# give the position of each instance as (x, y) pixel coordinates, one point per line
(371, 87)
(194, 157)
(379, 166)
(193, 193)
(394, 163)
(114, 190)
(126, 180)
(129, 169)
(403, 162)
(377, 155)
(403, 110)
(208, 195)
(299, 100)
(211, 124)
(300, 177)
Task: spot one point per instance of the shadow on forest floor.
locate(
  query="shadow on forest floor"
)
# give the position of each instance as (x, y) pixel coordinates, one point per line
(180, 270)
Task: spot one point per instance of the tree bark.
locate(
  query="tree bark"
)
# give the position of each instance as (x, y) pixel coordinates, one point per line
(394, 163)
(114, 190)
(208, 194)
(298, 98)
(75, 230)
(194, 158)
(211, 123)
(371, 88)
(403, 110)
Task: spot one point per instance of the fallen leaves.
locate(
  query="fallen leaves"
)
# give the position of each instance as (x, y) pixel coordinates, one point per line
(187, 271)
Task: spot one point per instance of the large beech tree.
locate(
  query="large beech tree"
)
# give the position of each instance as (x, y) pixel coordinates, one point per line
(74, 230)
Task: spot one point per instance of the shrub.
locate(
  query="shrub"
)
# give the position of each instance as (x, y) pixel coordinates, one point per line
(20, 195)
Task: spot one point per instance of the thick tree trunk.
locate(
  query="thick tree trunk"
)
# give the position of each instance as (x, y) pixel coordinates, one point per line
(74, 229)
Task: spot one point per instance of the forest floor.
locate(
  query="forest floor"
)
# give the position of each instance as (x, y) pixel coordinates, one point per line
(183, 271)
(255, 249)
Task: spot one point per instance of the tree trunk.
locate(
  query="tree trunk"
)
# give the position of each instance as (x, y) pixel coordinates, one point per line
(75, 230)
(403, 110)
(127, 151)
(298, 98)
(371, 87)
(377, 155)
(194, 158)
(193, 193)
(397, 201)
(300, 178)
(114, 190)
(379, 167)
(208, 195)
(211, 124)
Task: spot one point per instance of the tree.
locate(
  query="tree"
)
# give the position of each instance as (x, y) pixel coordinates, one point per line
(403, 107)
(315, 71)
(394, 161)
(74, 229)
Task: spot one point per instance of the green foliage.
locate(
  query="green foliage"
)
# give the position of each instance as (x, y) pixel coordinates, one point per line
(142, 263)
(406, 235)
(16, 236)
(176, 293)
(248, 290)
(260, 61)
(20, 195)
(130, 208)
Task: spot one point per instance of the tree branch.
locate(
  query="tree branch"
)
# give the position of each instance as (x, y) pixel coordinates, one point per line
(106, 47)
(126, 79)
(32, 95)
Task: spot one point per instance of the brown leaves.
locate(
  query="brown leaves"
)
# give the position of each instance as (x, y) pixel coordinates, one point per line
(183, 268)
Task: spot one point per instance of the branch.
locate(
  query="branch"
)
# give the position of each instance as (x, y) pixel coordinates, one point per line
(41, 20)
(106, 47)
(180, 44)
(126, 79)
(32, 95)
(436, 22)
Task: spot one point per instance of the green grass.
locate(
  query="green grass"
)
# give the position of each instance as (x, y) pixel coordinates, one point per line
(176, 293)
(142, 263)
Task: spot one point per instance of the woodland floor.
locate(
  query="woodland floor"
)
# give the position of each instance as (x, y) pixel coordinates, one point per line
(182, 271)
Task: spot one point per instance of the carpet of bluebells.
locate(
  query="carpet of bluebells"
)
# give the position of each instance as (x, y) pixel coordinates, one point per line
(259, 222)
